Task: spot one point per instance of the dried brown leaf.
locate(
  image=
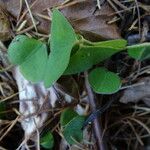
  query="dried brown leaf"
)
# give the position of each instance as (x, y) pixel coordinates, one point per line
(137, 93)
(4, 25)
(82, 15)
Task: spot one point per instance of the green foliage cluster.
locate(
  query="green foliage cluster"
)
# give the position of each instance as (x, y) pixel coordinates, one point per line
(70, 54)
(71, 124)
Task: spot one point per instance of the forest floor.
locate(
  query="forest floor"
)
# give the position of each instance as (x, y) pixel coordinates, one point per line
(124, 121)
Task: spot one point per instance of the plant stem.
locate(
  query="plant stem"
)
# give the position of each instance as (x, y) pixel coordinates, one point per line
(97, 126)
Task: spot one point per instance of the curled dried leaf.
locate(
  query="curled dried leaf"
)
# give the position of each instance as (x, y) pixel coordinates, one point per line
(81, 14)
(4, 25)
(136, 93)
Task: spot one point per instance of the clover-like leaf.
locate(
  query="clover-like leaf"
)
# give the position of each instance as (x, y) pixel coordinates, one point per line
(87, 56)
(31, 56)
(139, 51)
(62, 40)
(103, 81)
(73, 130)
(47, 141)
(66, 116)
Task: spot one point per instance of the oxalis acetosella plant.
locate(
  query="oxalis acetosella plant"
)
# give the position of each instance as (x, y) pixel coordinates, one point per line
(69, 54)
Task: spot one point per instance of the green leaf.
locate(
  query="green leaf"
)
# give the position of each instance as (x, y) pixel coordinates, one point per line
(139, 51)
(73, 130)
(21, 48)
(103, 81)
(66, 116)
(31, 55)
(87, 56)
(47, 141)
(63, 39)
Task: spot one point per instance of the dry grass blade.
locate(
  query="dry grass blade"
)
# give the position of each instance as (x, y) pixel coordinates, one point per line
(5, 128)
(115, 8)
(1, 148)
(33, 20)
(24, 14)
(44, 16)
(63, 5)
(27, 29)
(11, 126)
(9, 97)
(6, 69)
(142, 108)
(20, 9)
(133, 25)
(120, 4)
(2, 48)
(139, 16)
(136, 134)
(121, 11)
(140, 123)
(22, 25)
(43, 36)
(37, 137)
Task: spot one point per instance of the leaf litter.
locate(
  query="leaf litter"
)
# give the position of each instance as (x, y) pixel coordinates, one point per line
(124, 124)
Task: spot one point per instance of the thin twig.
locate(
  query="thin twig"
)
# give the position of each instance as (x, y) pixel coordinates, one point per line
(12, 125)
(43, 16)
(119, 4)
(115, 8)
(97, 126)
(139, 17)
(121, 11)
(33, 20)
(27, 29)
(38, 136)
(98, 4)
(140, 123)
(136, 134)
(22, 25)
(25, 12)
(6, 69)
(69, 4)
(9, 97)
(20, 9)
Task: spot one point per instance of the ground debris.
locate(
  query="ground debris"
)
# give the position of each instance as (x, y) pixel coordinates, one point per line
(137, 93)
(4, 25)
(83, 15)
